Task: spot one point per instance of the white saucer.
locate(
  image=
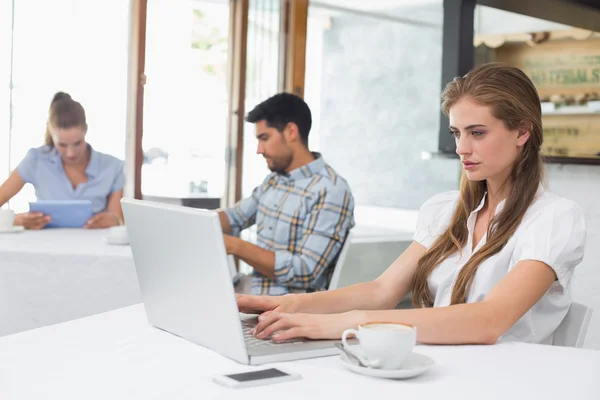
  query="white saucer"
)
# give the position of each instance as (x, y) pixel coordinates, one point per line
(414, 366)
(13, 229)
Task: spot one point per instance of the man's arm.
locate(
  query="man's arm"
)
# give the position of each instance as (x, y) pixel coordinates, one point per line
(260, 259)
(325, 228)
(225, 225)
(241, 215)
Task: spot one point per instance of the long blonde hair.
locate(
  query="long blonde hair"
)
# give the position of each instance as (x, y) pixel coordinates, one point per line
(513, 99)
(64, 113)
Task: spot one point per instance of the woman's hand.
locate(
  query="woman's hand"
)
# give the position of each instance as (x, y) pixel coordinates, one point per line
(104, 219)
(32, 220)
(283, 326)
(265, 304)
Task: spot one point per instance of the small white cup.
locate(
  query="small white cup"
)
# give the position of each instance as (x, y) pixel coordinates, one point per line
(7, 219)
(385, 345)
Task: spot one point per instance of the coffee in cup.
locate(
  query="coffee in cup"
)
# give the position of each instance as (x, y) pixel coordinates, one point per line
(385, 345)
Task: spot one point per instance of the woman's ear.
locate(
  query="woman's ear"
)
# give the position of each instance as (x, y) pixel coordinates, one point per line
(524, 133)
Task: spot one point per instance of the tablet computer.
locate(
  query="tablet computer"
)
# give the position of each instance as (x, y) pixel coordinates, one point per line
(64, 213)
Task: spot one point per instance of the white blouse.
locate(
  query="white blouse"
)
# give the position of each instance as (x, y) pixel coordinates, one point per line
(552, 231)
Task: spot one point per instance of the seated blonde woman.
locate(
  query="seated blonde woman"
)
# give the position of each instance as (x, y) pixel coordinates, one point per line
(490, 262)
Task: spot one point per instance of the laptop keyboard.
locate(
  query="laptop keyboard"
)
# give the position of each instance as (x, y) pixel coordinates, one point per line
(253, 342)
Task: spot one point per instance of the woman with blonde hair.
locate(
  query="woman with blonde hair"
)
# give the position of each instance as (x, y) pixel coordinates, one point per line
(490, 262)
(66, 167)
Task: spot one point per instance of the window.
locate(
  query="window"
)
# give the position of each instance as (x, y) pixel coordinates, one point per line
(63, 45)
(185, 98)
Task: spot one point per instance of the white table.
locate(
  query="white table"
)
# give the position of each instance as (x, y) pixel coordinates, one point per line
(56, 275)
(116, 355)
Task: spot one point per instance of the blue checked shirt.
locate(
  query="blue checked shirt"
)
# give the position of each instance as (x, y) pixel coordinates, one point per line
(304, 218)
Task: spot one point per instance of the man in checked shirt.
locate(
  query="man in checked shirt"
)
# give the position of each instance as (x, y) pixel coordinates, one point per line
(303, 210)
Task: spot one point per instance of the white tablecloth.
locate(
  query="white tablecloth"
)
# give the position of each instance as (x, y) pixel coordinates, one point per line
(116, 355)
(56, 275)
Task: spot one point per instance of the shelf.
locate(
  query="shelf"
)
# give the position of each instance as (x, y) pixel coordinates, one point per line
(589, 109)
(572, 160)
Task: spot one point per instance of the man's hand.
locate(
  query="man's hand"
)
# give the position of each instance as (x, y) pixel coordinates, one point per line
(104, 219)
(32, 220)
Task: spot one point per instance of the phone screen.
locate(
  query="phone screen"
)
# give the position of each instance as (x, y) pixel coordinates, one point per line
(257, 375)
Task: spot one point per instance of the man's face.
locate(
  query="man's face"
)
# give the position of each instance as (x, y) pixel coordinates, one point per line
(273, 147)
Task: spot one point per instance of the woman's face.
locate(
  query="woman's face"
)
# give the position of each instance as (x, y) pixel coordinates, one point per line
(487, 148)
(70, 144)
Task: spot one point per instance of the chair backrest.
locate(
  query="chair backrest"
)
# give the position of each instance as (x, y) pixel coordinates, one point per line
(363, 259)
(572, 330)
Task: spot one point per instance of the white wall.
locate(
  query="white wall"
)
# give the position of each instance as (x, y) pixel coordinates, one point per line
(582, 184)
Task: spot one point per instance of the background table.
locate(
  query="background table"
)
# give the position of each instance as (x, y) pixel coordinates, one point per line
(116, 355)
(57, 275)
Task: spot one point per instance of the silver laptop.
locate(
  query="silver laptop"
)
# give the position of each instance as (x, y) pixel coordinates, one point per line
(186, 284)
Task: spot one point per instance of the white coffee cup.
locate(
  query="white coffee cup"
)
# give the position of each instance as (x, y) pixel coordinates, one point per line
(385, 345)
(7, 219)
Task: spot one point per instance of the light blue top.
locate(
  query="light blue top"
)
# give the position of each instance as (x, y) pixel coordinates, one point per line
(43, 168)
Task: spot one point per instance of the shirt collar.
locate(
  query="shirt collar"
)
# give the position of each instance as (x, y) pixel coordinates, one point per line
(93, 168)
(540, 191)
(499, 207)
(308, 170)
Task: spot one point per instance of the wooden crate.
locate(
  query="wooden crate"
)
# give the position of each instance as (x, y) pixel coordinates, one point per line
(568, 67)
(571, 136)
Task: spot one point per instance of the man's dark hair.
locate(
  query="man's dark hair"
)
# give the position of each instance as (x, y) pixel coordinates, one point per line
(280, 110)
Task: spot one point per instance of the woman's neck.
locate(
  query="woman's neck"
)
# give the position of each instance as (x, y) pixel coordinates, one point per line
(84, 161)
(496, 192)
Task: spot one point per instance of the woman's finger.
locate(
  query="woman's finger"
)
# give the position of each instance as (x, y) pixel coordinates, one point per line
(292, 333)
(283, 322)
(37, 226)
(92, 222)
(275, 327)
(38, 222)
(265, 322)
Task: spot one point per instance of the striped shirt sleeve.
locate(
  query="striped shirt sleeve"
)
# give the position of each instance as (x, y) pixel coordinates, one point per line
(242, 215)
(325, 229)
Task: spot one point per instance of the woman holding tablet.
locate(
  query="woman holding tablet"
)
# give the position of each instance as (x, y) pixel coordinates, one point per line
(68, 168)
(490, 262)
